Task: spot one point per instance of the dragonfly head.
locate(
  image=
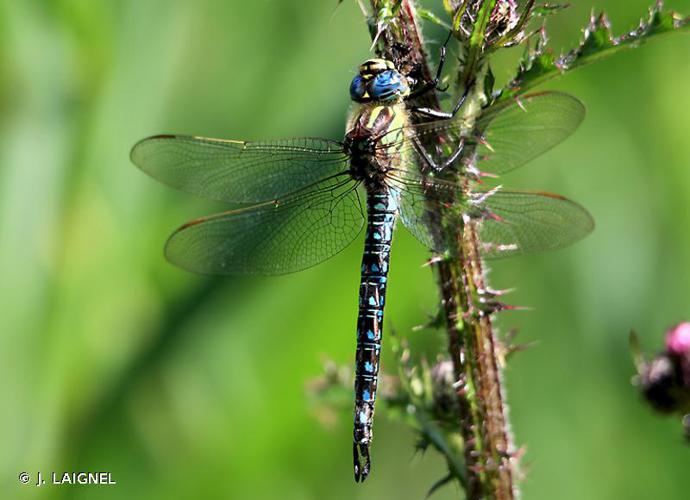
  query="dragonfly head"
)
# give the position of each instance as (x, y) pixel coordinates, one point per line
(378, 80)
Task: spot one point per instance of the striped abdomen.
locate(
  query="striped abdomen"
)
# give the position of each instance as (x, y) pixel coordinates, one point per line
(382, 211)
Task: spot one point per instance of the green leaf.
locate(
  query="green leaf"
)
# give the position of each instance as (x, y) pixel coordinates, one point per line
(540, 64)
(480, 26)
(598, 37)
(475, 46)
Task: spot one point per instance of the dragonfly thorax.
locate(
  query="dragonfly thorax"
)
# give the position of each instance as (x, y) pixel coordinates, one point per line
(378, 80)
(372, 149)
(365, 164)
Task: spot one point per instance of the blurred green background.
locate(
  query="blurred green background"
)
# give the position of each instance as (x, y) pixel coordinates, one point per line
(186, 387)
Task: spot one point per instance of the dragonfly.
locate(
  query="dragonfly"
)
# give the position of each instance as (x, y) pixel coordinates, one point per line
(303, 200)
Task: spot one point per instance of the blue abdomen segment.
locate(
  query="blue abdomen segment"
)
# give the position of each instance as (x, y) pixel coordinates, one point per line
(382, 212)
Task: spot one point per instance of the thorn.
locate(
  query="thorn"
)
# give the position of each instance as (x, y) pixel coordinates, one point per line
(435, 259)
(494, 306)
(381, 28)
(482, 140)
(603, 20)
(487, 297)
(490, 292)
(521, 308)
(479, 198)
(487, 174)
(517, 454)
(519, 102)
(487, 214)
(421, 446)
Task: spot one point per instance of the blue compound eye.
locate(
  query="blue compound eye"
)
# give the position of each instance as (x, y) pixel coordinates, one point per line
(388, 85)
(358, 89)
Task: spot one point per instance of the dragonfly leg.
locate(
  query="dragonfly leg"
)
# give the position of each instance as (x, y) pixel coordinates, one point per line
(456, 154)
(443, 115)
(430, 85)
(431, 162)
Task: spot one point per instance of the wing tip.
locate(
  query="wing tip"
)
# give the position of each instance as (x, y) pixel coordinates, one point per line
(133, 153)
(176, 260)
(591, 223)
(585, 225)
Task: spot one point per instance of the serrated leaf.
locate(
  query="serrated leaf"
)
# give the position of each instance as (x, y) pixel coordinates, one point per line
(548, 9)
(598, 37)
(540, 64)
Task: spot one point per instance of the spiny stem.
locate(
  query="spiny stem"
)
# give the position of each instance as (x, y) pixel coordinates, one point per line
(472, 344)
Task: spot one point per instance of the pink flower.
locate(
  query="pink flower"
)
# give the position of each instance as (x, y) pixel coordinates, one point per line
(678, 340)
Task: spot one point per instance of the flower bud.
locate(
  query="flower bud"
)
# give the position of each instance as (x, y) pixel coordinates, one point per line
(504, 18)
(665, 379)
(678, 340)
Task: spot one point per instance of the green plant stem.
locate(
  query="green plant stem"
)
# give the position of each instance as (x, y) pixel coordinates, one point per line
(472, 344)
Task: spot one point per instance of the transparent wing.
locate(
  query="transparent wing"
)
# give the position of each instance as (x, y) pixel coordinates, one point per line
(238, 171)
(510, 222)
(522, 222)
(525, 129)
(422, 201)
(274, 237)
(504, 137)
